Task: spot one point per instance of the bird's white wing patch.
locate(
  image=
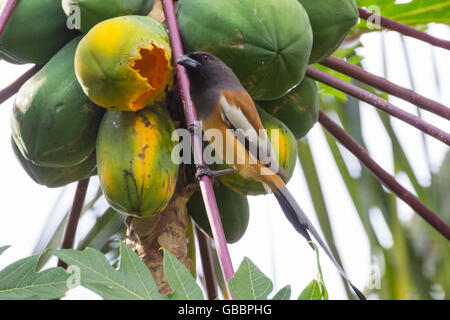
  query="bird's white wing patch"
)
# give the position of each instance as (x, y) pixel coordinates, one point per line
(235, 119)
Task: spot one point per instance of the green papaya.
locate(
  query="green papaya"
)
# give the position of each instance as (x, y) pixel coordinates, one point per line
(94, 11)
(56, 177)
(54, 123)
(134, 163)
(285, 148)
(35, 31)
(331, 21)
(266, 43)
(299, 109)
(233, 209)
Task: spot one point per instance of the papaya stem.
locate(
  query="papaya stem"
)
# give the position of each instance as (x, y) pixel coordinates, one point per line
(388, 180)
(387, 86)
(197, 145)
(6, 13)
(74, 217)
(12, 89)
(404, 29)
(207, 264)
(379, 103)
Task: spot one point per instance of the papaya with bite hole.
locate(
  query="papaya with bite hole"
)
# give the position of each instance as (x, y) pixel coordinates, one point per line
(134, 164)
(233, 208)
(266, 43)
(331, 22)
(54, 124)
(92, 12)
(124, 63)
(285, 147)
(299, 109)
(35, 31)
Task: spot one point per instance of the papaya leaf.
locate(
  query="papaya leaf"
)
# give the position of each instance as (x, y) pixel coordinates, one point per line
(249, 283)
(3, 249)
(314, 291)
(132, 281)
(180, 279)
(414, 13)
(20, 281)
(283, 294)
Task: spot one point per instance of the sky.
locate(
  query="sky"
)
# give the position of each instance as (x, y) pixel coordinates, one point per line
(270, 241)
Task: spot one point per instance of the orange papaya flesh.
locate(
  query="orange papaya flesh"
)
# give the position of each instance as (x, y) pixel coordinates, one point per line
(124, 63)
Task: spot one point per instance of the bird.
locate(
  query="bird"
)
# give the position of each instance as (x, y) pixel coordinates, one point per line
(230, 122)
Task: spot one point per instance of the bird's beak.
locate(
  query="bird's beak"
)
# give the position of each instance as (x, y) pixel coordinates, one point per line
(187, 62)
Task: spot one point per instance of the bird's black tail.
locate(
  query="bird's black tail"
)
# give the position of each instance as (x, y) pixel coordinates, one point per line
(303, 225)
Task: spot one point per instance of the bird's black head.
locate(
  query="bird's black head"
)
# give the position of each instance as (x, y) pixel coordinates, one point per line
(199, 61)
(205, 69)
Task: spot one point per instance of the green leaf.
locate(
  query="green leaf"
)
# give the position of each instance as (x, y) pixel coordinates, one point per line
(132, 281)
(283, 294)
(249, 283)
(19, 281)
(414, 13)
(314, 291)
(180, 279)
(3, 249)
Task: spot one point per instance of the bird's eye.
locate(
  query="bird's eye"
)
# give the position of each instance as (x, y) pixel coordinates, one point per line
(205, 58)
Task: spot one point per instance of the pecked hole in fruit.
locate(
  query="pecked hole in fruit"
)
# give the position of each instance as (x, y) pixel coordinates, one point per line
(155, 68)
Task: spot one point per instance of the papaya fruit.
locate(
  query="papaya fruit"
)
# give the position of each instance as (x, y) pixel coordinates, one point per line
(134, 164)
(56, 177)
(298, 110)
(266, 43)
(95, 11)
(331, 21)
(285, 148)
(124, 63)
(35, 31)
(54, 123)
(233, 208)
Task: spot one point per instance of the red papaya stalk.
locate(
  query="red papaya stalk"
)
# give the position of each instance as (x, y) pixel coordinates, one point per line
(12, 89)
(74, 217)
(404, 29)
(6, 13)
(387, 86)
(379, 103)
(388, 180)
(197, 145)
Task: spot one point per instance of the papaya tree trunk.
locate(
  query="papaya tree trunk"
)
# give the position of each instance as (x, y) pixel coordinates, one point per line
(171, 229)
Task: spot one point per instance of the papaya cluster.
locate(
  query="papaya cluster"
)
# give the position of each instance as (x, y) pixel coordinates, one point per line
(98, 105)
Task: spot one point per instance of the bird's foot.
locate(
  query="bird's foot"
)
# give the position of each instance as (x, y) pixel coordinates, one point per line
(205, 171)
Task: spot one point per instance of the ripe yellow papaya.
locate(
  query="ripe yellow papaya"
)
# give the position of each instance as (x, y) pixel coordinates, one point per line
(124, 63)
(35, 31)
(285, 148)
(299, 109)
(94, 11)
(134, 164)
(55, 177)
(54, 123)
(233, 209)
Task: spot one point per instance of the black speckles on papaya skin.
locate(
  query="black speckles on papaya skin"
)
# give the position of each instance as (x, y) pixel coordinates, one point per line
(145, 120)
(129, 175)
